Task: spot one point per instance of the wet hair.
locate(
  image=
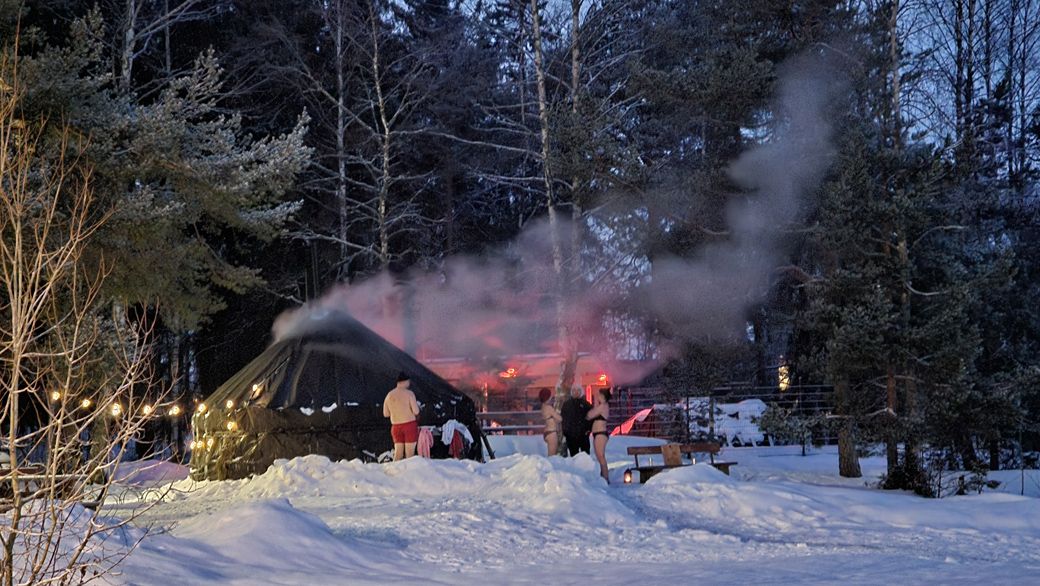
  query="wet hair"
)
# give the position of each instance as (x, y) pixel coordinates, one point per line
(544, 395)
(606, 394)
(401, 377)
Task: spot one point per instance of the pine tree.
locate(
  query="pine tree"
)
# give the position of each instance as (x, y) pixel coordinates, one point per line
(187, 184)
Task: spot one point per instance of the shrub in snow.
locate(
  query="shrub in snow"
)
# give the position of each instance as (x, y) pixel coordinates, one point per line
(791, 425)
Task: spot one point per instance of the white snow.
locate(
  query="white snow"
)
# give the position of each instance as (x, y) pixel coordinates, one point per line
(149, 472)
(329, 408)
(524, 519)
(733, 421)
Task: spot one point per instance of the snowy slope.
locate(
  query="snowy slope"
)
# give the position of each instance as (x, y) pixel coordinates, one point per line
(527, 519)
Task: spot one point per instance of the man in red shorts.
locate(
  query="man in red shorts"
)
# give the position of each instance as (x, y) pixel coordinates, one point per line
(401, 408)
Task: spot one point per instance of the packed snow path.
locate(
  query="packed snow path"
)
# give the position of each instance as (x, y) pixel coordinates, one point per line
(525, 519)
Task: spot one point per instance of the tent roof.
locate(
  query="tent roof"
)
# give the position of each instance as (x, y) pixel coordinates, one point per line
(331, 358)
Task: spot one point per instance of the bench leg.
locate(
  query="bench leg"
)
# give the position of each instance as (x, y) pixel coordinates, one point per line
(724, 468)
(645, 475)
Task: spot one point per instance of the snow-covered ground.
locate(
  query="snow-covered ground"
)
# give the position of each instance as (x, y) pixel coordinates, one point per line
(527, 519)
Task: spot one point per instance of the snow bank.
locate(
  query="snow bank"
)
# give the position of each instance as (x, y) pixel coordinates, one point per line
(50, 535)
(149, 472)
(259, 542)
(255, 534)
(525, 518)
(564, 487)
(705, 496)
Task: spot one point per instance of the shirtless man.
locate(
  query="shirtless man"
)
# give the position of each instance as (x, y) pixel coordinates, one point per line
(401, 408)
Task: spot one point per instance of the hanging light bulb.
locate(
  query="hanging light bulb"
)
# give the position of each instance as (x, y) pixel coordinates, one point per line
(85, 403)
(175, 411)
(192, 445)
(148, 409)
(201, 408)
(209, 443)
(232, 426)
(230, 404)
(55, 396)
(117, 409)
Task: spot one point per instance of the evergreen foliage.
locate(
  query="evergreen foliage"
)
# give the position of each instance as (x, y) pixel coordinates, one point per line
(187, 184)
(257, 152)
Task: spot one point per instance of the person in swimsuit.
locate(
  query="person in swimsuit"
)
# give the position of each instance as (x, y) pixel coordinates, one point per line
(598, 415)
(552, 418)
(400, 406)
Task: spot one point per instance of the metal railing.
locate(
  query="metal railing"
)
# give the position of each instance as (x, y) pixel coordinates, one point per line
(511, 422)
(728, 414)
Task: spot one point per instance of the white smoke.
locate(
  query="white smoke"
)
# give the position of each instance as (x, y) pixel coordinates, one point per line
(710, 294)
(502, 303)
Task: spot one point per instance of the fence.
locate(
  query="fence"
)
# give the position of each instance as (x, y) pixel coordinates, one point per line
(511, 422)
(729, 414)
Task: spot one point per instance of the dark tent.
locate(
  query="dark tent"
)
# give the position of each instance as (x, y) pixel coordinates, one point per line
(319, 391)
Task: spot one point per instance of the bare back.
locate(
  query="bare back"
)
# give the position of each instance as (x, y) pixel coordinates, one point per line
(400, 406)
(551, 416)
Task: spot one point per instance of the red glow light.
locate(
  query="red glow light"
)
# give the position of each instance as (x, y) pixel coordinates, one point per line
(508, 373)
(603, 379)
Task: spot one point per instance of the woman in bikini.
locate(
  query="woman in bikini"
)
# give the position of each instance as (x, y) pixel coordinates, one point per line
(551, 434)
(598, 415)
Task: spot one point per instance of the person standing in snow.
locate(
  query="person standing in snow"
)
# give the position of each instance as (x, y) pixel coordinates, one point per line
(400, 406)
(575, 425)
(598, 415)
(551, 434)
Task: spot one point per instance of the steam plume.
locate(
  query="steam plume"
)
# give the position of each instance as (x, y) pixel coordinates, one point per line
(501, 303)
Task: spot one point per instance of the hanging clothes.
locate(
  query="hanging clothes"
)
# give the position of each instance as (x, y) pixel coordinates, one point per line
(448, 431)
(456, 448)
(425, 441)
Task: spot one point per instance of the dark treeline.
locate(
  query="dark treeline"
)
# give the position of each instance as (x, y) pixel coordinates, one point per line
(258, 152)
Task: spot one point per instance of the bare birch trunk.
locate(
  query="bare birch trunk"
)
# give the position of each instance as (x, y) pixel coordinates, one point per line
(895, 132)
(896, 64)
(1012, 16)
(126, 62)
(168, 63)
(987, 51)
(574, 272)
(1023, 68)
(53, 346)
(958, 57)
(385, 143)
(341, 151)
(568, 363)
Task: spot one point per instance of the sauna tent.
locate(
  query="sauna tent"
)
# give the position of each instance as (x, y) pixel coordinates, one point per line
(317, 391)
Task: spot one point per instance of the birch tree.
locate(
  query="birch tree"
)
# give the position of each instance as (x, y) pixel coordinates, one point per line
(66, 372)
(179, 174)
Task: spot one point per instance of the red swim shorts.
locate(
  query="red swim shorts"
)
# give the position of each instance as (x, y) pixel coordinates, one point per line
(405, 433)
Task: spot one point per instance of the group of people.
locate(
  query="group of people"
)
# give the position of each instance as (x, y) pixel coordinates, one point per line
(577, 421)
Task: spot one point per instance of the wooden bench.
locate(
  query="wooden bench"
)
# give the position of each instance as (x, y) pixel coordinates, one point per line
(672, 457)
